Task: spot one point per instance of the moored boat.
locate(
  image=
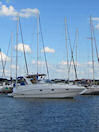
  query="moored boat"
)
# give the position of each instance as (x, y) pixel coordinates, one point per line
(91, 90)
(44, 89)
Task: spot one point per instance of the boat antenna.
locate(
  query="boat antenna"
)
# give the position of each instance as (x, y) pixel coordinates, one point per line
(44, 49)
(23, 47)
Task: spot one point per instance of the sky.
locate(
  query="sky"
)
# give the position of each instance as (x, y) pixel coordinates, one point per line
(52, 15)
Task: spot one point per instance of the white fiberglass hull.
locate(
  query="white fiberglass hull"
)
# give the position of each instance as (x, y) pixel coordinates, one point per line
(47, 91)
(92, 90)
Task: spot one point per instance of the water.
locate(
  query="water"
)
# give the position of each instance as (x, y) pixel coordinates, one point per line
(49, 115)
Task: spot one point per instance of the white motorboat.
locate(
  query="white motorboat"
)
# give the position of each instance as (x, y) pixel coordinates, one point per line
(42, 89)
(33, 87)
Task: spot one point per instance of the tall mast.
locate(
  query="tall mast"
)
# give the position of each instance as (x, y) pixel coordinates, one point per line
(17, 45)
(66, 47)
(11, 54)
(37, 41)
(23, 47)
(92, 47)
(94, 38)
(72, 58)
(2, 64)
(76, 46)
(44, 49)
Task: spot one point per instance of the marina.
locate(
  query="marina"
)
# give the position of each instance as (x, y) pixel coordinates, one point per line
(49, 66)
(36, 86)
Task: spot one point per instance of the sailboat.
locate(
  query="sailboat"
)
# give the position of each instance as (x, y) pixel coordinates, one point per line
(6, 85)
(36, 86)
(92, 89)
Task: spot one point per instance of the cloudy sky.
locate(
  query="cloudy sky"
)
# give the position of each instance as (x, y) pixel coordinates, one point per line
(52, 14)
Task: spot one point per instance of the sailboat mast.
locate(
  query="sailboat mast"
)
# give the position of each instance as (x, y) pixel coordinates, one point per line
(37, 41)
(72, 57)
(17, 46)
(92, 47)
(23, 48)
(94, 38)
(66, 47)
(44, 49)
(11, 54)
(2, 64)
(76, 46)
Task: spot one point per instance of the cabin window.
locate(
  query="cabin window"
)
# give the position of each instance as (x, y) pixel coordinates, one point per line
(52, 89)
(41, 90)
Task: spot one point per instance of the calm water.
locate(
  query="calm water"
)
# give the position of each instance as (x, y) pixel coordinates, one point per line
(49, 115)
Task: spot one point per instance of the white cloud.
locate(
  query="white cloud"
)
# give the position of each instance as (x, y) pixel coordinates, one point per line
(7, 11)
(29, 12)
(11, 11)
(96, 64)
(4, 57)
(48, 50)
(39, 62)
(57, 68)
(89, 62)
(6, 71)
(65, 63)
(95, 18)
(14, 67)
(33, 62)
(97, 26)
(26, 47)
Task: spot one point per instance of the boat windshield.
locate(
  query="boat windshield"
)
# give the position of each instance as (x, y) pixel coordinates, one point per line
(36, 78)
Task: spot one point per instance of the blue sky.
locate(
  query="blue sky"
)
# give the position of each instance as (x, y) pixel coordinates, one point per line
(52, 14)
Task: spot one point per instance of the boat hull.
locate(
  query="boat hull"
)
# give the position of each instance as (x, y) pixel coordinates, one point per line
(6, 89)
(91, 91)
(46, 91)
